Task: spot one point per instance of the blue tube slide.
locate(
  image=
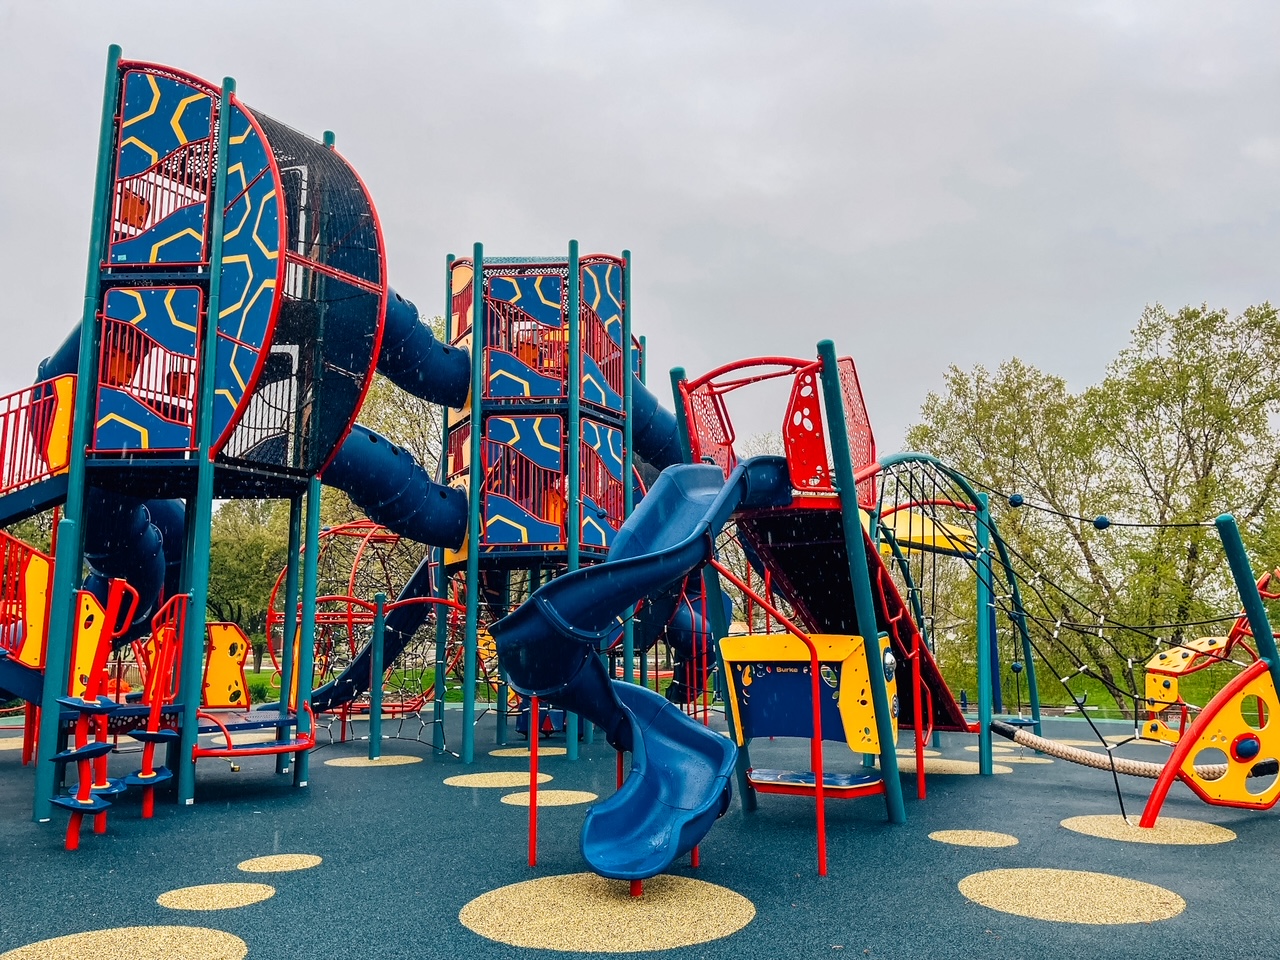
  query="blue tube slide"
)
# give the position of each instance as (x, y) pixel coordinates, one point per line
(654, 432)
(416, 362)
(391, 487)
(680, 779)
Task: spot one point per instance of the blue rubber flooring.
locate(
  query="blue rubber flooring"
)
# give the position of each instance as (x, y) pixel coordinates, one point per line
(403, 854)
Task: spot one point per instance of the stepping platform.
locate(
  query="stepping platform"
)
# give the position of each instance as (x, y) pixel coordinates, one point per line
(802, 783)
(158, 776)
(89, 751)
(95, 804)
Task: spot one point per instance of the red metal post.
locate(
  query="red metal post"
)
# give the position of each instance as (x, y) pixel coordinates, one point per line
(534, 734)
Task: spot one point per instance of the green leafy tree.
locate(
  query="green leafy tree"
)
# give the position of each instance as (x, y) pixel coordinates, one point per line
(1180, 429)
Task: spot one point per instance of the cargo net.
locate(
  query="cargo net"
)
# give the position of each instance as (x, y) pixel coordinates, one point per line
(326, 331)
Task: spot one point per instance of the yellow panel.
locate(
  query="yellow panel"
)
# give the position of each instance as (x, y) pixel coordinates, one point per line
(857, 712)
(36, 580)
(784, 647)
(1159, 730)
(856, 706)
(1162, 690)
(91, 620)
(1188, 656)
(1228, 724)
(57, 453)
(224, 680)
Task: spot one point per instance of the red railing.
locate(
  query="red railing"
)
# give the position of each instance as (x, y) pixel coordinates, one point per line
(509, 473)
(603, 349)
(16, 567)
(35, 432)
(177, 181)
(815, 743)
(602, 486)
(541, 348)
(160, 379)
(456, 452)
(862, 441)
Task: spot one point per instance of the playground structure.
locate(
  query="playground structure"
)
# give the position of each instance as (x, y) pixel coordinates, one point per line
(237, 309)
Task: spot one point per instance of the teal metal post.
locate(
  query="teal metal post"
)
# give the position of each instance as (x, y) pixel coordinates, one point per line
(195, 565)
(644, 654)
(682, 421)
(859, 574)
(307, 628)
(70, 554)
(375, 675)
(289, 622)
(573, 452)
(442, 578)
(628, 457)
(1247, 587)
(473, 519)
(985, 604)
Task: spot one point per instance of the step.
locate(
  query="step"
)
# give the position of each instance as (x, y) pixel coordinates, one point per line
(95, 804)
(88, 752)
(801, 782)
(81, 705)
(113, 786)
(158, 775)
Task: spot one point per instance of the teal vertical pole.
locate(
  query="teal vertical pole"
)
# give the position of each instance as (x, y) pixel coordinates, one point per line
(682, 421)
(195, 566)
(985, 604)
(1247, 587)
(860, 575)
(289, 622)
(70, 554)
(478, 387)
(573, 452)
(375, 675)
(628, 455)
(442, 578)
(307, 627)
(644, 654)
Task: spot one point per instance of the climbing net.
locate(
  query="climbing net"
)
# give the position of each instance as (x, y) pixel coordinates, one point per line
(1047, 579)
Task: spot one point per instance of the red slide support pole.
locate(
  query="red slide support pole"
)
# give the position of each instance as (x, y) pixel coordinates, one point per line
(534, 734)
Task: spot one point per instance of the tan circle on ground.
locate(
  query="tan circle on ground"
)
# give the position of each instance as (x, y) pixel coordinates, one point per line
(551, 798)
(1168, 830)
(280, 863)
(1029, 758)
(973, 838)
(388, 760)
(524, 752)
(136, 943)
(216, 896)
(995, 748)
(11, 743)
(582, 912)
(505, 778)
(1071, 896)
(945, 767)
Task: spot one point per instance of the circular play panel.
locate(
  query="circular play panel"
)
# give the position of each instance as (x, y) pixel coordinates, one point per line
(584, 913)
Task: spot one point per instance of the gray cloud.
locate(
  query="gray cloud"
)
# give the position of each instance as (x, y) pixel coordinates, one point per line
(926, 183)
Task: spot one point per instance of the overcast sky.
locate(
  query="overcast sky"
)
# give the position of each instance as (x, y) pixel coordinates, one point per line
(926, 183)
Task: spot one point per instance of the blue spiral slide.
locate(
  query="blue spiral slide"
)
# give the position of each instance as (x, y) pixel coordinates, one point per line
(681, 771)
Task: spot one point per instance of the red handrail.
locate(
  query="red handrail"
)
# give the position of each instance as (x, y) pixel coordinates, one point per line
(815, 746)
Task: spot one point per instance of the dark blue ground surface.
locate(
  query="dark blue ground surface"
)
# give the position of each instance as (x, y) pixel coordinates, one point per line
(403, 853)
